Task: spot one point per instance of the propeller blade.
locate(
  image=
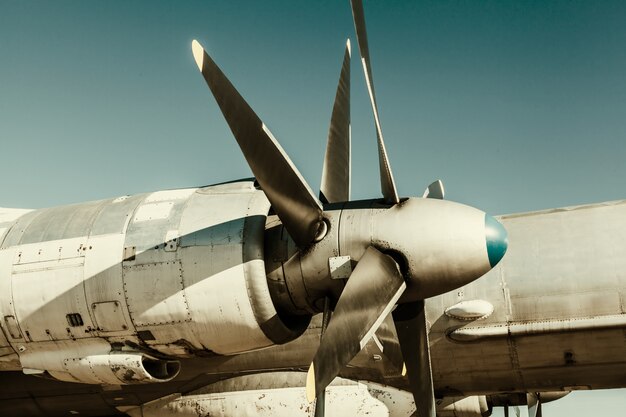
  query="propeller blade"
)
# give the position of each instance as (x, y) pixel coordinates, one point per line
(388, 338)
(413, 335)
(435, 190)
(534, 404)
(336, 171)
(516, 411)
(369, 295)
(387, 184)
(290, 196)
(320, 402)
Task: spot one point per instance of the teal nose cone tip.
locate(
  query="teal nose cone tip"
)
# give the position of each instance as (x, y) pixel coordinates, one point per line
(497, 240)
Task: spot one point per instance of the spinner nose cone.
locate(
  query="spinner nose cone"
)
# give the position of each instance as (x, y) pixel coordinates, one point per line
(497, 240)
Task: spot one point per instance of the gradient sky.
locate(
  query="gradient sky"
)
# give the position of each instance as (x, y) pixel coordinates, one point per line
(516, 106)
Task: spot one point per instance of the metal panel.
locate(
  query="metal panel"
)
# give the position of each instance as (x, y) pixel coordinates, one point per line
(109, 316)
(4, 342)
(14, 235)
(104, 285)
(50, 251)
(340, 267)
(6, 294)
(170, 195)
(115, 215)
(558, 307)
(44, 292)
(220, 266)
(8, 218)
(64, 222)
(153, 211)
(150, 224)
(12, 328)
(155, 293)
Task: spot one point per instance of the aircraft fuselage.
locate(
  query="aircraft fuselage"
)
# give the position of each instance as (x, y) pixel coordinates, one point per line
(184, 274)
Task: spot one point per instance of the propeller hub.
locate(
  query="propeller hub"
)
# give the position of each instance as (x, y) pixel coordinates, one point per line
(497, 240)
(445, 245)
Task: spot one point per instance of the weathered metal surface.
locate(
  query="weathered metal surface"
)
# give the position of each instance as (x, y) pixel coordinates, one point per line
(121, 368)
(562, 283)
(537, 328)
(194, 281)
(474, 406)
(7, 218)
(551, 360)
(108, 316)
(56, 223)
(559, 318)
(470, 310)
(155, 294)
(47, 285)
(104, 286)
(340, 267)
(280, 394)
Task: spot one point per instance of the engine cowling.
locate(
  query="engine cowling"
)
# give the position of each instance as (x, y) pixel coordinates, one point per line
(474, 406)
(117, 369)
(178, 272)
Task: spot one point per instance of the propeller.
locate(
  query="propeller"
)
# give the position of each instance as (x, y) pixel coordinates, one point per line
(290, 195)
(435, 190)
(387, 335)
(387, 184)
(370, 293)
(376, 283)
(354, 320)
(516, 411)
(412, 329)
(335, 185)
(533, 400)
(320, 402)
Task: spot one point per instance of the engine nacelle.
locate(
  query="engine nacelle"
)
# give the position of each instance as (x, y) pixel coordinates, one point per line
(474, 406)
(180, 272)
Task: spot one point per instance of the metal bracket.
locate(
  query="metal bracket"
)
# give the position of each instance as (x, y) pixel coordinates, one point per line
(340, 267)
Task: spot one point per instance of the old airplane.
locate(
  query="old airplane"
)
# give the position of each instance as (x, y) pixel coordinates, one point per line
(206, 301)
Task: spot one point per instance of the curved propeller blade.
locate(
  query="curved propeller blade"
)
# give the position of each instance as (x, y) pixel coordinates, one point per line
(534, 404)
(413, 335)
(516, 411)
(320, 401)
(336, 171)
(387, 184)
(290, 195)
(369, 295)
(435, 190)
(388, 337)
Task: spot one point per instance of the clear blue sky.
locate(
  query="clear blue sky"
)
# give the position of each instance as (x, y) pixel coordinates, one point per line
(517, 106)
